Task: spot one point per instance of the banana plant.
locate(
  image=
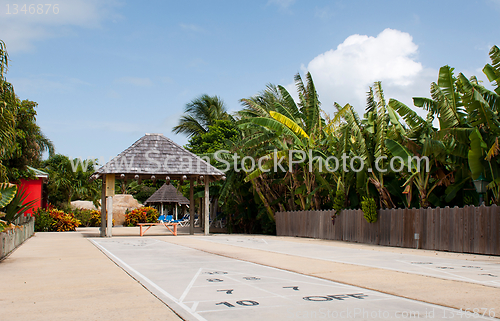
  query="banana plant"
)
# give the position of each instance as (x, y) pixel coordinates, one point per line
(493, 71)
(368, 137)
(482, 107)
(446, 100)
(419, 172)
(274, 121)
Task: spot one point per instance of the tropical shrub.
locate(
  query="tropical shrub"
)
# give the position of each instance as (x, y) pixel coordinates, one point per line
(141, 215)
(95, 219)
(43, 220)
(85, 216)
(54, 220)
(63, 222)
(369, 208)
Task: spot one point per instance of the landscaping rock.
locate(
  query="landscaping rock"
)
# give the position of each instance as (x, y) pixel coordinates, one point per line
(88, 205)
(121, 203)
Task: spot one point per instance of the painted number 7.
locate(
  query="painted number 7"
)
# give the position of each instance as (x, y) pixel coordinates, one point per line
(246, 303)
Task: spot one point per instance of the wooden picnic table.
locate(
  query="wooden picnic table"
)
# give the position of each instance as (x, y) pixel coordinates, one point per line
(166, 224)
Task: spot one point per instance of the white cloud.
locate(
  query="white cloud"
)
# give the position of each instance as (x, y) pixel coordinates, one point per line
(136, 81)
(22, 29)
(344, 74)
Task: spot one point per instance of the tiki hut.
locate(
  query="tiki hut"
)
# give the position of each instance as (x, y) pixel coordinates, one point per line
(168, 195)
(155, 156)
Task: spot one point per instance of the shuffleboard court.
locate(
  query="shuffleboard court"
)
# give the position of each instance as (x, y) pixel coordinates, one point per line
(203, 286)
(480, 272)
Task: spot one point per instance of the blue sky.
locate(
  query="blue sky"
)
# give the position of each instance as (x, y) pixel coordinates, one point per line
(104, 73)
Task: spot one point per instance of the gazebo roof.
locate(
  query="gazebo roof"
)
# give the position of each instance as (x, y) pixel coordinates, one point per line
(158, 156)
(167, 194)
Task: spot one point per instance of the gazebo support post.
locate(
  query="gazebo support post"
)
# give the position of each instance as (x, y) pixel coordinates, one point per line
(207, 206)
(109, 207)
(191, 205)
(103, 207)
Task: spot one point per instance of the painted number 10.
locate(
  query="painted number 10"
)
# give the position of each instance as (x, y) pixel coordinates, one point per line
(246, 303)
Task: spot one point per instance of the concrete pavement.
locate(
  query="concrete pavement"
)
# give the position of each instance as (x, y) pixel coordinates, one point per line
(449, 293)
(63, 276)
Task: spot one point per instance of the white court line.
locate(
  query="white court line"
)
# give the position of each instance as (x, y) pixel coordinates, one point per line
(365, 264)
(323, 281)
(168, 295)
(444, 272)
(147, 243)
(264, 241)
(194, 305)
(190, 285)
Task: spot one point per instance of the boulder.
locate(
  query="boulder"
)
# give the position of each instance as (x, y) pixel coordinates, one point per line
(88, 205)
(122, 203)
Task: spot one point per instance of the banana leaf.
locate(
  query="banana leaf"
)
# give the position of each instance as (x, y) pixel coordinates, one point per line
(475, 155)
(17, 207)
(7, 193)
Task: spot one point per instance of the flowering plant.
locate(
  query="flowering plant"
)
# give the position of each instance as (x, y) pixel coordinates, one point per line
(141, 215)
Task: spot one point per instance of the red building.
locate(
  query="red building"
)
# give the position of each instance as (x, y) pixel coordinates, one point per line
(34, 189)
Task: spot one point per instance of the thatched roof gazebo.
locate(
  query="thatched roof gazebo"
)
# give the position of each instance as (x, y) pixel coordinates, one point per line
(167, 194)
(155, 156)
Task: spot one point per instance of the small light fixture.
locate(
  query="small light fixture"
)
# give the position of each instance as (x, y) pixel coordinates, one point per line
(167, 180)
(481, 187)
(223, 178)
(136, 177)
(122, 176)
(184, 177)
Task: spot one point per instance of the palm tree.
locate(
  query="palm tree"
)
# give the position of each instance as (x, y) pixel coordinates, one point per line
(67, 183)
(200, 113)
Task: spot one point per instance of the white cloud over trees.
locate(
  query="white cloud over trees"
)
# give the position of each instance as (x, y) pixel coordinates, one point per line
(344, 74)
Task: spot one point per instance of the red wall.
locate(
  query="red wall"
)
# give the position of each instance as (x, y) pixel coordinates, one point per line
(33, 190)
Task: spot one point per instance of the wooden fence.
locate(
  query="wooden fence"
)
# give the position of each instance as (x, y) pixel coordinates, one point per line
(465, 230)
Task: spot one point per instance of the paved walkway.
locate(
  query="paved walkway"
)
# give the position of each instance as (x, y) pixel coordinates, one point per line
(63, 276)
(67, 276)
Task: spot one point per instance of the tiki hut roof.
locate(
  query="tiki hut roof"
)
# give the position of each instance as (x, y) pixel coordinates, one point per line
(167, 194)
(155, 156)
